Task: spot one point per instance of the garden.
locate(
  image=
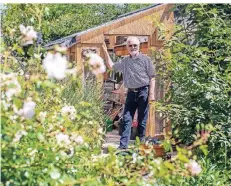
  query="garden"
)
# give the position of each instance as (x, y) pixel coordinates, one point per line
(53, 126)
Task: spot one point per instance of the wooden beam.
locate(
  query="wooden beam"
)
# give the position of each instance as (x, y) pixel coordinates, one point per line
(151, 122)
(107, 34)
(79, 60)
(112, 41)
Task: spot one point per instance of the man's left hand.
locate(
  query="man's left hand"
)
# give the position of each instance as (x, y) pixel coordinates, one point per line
(151, 98)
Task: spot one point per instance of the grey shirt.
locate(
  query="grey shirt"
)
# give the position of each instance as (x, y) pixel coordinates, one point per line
(137, 71)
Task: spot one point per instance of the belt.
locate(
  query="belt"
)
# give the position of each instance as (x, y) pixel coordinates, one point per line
(137, 89)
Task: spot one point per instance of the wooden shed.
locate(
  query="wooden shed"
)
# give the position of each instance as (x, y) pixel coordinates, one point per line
(138, 23)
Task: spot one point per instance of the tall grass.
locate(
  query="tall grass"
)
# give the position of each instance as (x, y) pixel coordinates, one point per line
(89, 92)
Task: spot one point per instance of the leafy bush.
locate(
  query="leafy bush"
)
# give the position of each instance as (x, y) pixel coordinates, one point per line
(197, 62)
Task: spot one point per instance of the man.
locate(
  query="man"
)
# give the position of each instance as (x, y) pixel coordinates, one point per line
(138, 76)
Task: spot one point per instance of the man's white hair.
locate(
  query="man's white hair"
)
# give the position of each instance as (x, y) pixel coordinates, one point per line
(133, 38)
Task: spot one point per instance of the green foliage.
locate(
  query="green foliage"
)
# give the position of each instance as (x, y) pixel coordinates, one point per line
(211, 175)
(59, 20)
(199, 69)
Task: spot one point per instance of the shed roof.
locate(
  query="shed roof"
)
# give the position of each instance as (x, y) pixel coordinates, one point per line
(70, 40)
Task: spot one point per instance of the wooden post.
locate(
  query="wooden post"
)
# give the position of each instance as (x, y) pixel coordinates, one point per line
(151, 122)
(80, 64)
(112, 41)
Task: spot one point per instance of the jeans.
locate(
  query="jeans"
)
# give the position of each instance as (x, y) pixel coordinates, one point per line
(135, 100)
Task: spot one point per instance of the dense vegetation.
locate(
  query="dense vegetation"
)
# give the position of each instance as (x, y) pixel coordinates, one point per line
(55, 21)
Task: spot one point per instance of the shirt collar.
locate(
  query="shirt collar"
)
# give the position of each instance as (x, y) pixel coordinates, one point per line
(138, 56)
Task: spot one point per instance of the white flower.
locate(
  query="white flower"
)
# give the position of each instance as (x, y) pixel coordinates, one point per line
(8, 183)
(70, 111)
(19, 135)
(32, 153)
(5, 104)
(62, 139)
(28, 34)
(96, 63)
(55, 65)
(77, 139)
(11, 83)
(55, 174)
(13, 118)
(42, 116)
(28, 109)
(100, 130)
(14, 90)
(193, 167)
(157, 161)
(134, 157)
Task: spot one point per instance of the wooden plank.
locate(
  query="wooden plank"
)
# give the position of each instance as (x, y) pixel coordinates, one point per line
(112, 41)
(79, 60)
(151, 122)
(125, 34)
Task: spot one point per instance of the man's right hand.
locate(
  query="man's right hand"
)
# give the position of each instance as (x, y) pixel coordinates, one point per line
(104, 46)
(109, 62)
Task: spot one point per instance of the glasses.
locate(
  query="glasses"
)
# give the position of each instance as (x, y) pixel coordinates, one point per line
(135, 45)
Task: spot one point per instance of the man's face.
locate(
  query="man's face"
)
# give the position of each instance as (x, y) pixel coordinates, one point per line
(133, 47)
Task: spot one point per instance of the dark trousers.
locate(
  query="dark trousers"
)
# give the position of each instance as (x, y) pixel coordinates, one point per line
(137, 99)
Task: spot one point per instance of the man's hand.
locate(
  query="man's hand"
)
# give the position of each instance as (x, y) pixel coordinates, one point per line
(151, 97)
(109, 62)
(104, 46)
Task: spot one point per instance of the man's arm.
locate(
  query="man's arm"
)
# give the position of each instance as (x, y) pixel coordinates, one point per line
(152, 89)
(109, 62)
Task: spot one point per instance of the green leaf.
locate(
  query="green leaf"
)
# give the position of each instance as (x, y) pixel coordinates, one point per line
(17, 102)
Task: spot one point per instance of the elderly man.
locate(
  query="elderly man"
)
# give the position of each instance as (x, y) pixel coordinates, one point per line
(138, 75)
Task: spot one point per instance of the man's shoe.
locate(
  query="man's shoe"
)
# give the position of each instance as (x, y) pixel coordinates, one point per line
(121, 148)
(123, 151)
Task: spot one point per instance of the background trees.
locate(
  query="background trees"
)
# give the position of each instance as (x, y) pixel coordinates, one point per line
(60, 20)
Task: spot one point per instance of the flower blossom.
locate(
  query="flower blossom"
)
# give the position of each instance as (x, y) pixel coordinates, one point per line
(100, 130)
(28, 34)
(134, 157)
(70, 111)
(28, 109)
(55, 65)
(96, 63)
(63, 139)
(55, 173)
(193, 167)
(5, 104)
(42, 116)
(77, 139)
(19, 135)
(12, 85)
